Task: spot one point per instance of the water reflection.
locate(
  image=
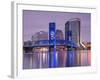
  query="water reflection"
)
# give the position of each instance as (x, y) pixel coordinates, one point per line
(43, 58)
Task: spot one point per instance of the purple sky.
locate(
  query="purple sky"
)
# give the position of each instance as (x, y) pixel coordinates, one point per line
(35, 21)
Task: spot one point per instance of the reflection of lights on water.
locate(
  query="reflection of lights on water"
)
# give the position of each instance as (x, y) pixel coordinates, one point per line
(40, 57)
(44, 53)
(44, 49)
(89, 57)
(44, 57)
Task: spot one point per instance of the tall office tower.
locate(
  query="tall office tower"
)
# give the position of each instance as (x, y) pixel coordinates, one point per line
(52, 45)
(74, 26)
(72, 40)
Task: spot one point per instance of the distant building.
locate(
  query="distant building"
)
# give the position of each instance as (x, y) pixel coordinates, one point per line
(34, 38)
(28, 43)
(42, 35)
(38, 37)
(87, 45)
(59, 35)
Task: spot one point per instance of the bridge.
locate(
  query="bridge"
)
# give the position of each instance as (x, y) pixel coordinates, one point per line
(45, 43)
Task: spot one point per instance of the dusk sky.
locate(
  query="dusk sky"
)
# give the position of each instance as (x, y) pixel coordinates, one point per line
(35, 21)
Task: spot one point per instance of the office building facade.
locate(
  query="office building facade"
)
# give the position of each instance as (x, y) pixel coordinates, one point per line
(73, 25)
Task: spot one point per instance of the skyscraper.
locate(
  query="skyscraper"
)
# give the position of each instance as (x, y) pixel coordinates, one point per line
(72, 40)
(73, 25)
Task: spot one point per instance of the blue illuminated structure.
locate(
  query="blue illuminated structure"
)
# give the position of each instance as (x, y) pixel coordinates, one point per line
(52, 34)
(53, 62)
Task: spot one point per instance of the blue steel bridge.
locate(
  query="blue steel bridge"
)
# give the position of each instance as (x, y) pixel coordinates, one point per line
(45, 43)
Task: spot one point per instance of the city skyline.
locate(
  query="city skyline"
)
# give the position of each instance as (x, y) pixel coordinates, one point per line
(35, 21)
(54, 54)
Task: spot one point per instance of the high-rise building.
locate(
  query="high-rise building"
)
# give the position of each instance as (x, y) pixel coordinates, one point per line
(59, 35)
(73, 25)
